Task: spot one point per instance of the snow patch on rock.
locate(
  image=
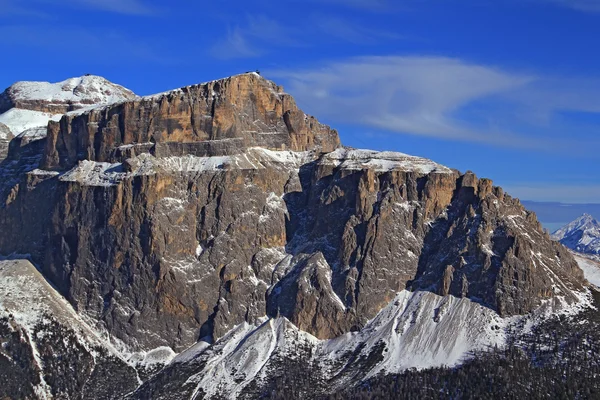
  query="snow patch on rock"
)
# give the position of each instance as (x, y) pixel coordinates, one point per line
(89, 89)
(18, 120)
(381, 161)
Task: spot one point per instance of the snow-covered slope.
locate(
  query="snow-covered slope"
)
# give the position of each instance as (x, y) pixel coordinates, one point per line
(26, 105)
(54, 341)
(19, 120)
(416, 330)
(581, 235)
(77, 92)
(590, 265)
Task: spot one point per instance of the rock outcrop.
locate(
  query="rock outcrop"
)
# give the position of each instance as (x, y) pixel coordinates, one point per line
(182, 215)
(5, 138)
(402, 222)
(218, 118)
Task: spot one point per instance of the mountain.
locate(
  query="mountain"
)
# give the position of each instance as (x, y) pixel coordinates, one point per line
(62, 97)
(581, 235)
(27, 107)
(221, 223)
(48, 350)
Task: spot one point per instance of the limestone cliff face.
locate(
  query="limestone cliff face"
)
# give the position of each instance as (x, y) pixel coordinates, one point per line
(382, 230)
(179, 216)
(222, 117)
(490, 248)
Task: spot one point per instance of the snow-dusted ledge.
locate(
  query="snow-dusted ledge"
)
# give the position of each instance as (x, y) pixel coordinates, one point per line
(382, 161)
(95, 173)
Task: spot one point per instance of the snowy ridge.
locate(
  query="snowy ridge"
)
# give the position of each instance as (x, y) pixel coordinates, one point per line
(180, 90)
(581, 235)
(77, 93)
(31, 302)
(383, 161)
(415, 330)
(422, 329)
(28, 297)
(241, 357)
(89, 89)
(33, 134)
(26, 294)
(18, 120)
(95, 173)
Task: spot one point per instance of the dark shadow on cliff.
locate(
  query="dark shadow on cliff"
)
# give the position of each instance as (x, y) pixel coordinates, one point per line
(317, 217)
(452, 261)
(18, 192)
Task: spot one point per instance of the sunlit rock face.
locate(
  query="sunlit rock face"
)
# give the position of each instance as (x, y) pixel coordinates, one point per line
(180, 216)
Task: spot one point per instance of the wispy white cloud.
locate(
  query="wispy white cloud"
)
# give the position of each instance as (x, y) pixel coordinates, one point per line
(260, 34)
(340, 29)
(253, 37)
(270, 30)
(415, 95)
(136, 7)
(37, 7)
(581, 5)
(439, 97)
(234, 45)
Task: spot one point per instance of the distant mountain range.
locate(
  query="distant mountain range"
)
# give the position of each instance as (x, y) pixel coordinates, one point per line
(581, 235)
(554, 215)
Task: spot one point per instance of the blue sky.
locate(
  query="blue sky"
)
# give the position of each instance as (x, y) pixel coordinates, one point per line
(509, 89)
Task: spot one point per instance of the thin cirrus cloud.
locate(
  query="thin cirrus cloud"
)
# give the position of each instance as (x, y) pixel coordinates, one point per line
(44, 8)
(335, 28)
(257, 35)
(439, 97)
(135, 7)
(581, 5)
(235, 44)
(254, 37)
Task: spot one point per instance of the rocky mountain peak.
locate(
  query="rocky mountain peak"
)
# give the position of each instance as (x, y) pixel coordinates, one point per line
(218, 118)
(581, 235)
(27, 107)
(61, 97)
